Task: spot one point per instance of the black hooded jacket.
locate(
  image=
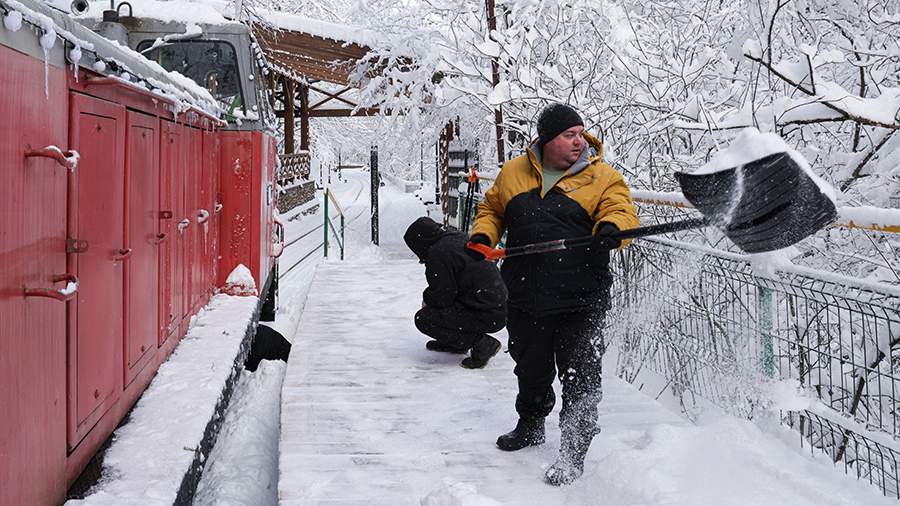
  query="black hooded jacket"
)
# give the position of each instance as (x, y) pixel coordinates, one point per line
(453, 276)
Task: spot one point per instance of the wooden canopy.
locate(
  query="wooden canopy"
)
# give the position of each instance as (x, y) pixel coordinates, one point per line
(303, 62)
(309, 57)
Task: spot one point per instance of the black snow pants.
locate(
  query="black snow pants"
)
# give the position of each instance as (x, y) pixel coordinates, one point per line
(571, 343)
(458, 326)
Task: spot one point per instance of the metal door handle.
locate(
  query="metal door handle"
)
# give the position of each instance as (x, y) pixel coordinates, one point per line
(183, 224)
(124, 254)
(278, 244)
(66, 294)
(69, 159)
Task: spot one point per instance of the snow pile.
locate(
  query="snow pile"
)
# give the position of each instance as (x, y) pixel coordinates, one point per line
(787, 395)
(748, 146)
(752, 145)
(212, 12)
(767, 263)
(727, 462)
(151, 453)
(240, 282)
(868, 216)
(243, 466)
(13, 21)
(452, 493)
(323, 29)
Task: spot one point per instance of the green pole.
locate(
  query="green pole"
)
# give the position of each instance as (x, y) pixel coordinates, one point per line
(326, 222)
(765, 306)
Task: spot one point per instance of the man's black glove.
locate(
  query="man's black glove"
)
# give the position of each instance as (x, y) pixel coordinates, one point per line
(605, 238)
(478, 239)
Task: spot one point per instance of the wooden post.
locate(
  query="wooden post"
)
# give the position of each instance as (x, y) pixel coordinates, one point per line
(304, 117)
(287, 87)
(376, 183)
(495, 79)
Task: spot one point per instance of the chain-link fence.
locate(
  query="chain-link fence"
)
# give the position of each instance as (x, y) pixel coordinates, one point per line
(711, 328)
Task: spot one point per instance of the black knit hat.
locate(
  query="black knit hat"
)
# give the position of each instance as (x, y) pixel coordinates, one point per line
(555, 119)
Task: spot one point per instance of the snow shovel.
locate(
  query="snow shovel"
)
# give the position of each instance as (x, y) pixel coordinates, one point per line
(764, 205)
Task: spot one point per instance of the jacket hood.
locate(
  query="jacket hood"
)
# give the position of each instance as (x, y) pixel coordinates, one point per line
(422, 234)
(591, 152)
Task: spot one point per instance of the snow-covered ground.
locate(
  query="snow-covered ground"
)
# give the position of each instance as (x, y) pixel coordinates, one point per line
(243, 467)
(369, 416)
(151, 452)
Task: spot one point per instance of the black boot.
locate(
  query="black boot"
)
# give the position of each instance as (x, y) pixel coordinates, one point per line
(569, 466)
(482, 352)
(528, 432)
(435, 345)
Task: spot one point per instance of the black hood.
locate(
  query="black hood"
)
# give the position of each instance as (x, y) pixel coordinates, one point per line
(422, 234)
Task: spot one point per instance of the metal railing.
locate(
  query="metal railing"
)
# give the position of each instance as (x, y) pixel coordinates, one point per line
(704, 321)
(330, 226)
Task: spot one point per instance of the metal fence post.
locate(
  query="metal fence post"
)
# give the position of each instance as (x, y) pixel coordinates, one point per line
(325, 243)
(342, 236)
(765, 310)
(376, 183)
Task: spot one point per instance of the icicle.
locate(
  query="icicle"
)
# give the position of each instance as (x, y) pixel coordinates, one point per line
(48, 40)
(75, 58)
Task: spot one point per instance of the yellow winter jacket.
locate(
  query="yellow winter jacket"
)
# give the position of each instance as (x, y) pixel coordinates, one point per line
(591, 192)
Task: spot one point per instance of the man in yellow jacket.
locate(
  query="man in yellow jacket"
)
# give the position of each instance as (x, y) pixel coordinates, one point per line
(557, 301)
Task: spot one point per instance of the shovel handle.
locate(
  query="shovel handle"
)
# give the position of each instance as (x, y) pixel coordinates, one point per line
(664, 228)
(494, 254)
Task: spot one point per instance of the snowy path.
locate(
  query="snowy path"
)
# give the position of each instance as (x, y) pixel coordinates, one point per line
(370, 417)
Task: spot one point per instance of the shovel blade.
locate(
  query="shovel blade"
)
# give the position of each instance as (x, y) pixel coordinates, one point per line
(764, 205)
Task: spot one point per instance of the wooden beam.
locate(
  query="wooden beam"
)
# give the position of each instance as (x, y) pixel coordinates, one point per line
(335, 96)
(289, 115)
(343, 113)
(304, 117)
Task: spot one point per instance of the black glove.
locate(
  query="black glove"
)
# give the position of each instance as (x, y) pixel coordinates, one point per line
(478, 239)
(605, 238)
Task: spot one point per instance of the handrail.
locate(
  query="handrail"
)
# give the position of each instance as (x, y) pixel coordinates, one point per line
(877, 219)
(329, 196)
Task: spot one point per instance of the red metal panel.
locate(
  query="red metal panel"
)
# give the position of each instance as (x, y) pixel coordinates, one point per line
(142, 205)
(168, 162)
(183, 225)
(236, 179)
(32, 250)
(216, 227)
(196, 207)
(264, 145)
(97, 131)
(248, 177)
(208, 191)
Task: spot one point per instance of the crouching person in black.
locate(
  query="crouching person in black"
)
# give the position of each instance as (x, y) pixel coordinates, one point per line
(465, 298)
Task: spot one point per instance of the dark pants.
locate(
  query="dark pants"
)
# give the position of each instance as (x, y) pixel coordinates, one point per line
(571, 343)
(458, 326)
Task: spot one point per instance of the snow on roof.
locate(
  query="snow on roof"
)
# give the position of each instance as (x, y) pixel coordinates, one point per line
(132, 66)
(212, 12)
(323, 29)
